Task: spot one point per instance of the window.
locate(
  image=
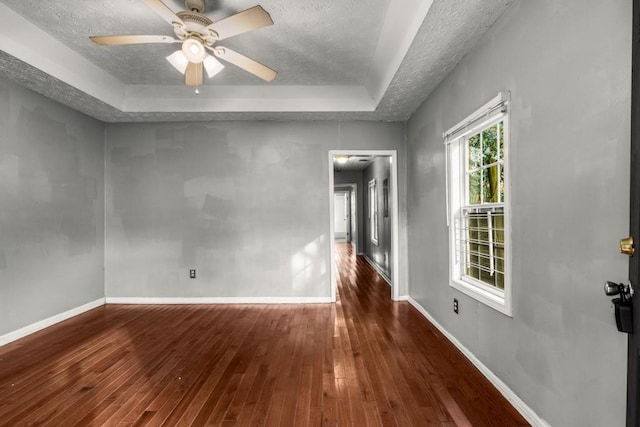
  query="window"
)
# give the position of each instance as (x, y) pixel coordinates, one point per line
(385, 198)
(373, 211)
(478, 214)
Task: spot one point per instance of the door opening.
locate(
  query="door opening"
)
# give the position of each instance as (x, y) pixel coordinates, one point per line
(342, 215)
(380, 245)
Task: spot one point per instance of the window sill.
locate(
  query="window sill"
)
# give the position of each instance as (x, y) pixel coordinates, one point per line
(497, 302)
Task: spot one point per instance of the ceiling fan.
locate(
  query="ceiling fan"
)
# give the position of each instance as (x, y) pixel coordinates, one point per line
(199, 34)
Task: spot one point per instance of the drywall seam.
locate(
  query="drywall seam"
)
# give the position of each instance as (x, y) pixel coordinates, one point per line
(35, 327)
(524, 409)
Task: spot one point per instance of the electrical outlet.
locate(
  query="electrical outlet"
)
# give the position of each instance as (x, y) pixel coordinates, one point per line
(192, 274)
(455, 305)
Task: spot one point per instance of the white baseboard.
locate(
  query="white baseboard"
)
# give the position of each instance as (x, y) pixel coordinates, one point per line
(378, 269)
(517, 403)
(35, 327)
(219, 300)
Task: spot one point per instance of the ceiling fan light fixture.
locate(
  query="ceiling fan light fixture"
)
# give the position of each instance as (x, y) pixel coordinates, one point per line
(179, 61)
(212, 65)
(193, 49)
(198, 33)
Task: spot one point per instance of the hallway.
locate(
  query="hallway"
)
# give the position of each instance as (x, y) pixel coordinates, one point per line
(364, 361)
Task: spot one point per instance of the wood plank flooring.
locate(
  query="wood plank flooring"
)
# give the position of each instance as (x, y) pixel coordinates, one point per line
(364, 361)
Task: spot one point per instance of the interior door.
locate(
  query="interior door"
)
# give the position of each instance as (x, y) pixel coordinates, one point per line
(633, 357)
(341, 216)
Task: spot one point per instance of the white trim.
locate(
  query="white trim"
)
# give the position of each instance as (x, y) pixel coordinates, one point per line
(447, 187)
(29, 43)
(524, 409)
(218, 300)
(461, 129)
(333, 281)
(456, 170)
(378, 269)
(372, 210)
(401, 25)
(481, 294)
(395, 221)
(35, 327)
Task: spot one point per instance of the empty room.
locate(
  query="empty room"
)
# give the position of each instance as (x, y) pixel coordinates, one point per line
(312, 213)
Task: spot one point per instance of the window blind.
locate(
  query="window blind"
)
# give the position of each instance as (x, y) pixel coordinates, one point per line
(488, 112)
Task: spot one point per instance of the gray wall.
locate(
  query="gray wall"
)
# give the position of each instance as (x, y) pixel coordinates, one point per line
(567, 65)
(245, 203)
(52, 198)
(354, 177)
(379, 169)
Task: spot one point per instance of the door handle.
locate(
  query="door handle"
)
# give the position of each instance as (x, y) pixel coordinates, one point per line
(613, 288)
(623, 305)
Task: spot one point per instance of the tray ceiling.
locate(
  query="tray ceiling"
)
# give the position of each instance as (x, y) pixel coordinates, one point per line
(374, 60)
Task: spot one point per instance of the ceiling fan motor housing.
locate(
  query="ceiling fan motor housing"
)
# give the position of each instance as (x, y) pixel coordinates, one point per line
(195, 5)
(195, 24)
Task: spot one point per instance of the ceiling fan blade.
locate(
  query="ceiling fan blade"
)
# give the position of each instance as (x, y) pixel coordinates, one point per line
(193, 74)
(241, 22)
(247, 64)
(118, 40)
(164, 11)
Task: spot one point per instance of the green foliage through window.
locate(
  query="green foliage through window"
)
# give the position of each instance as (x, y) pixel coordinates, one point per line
(481, 220)
(485, 170)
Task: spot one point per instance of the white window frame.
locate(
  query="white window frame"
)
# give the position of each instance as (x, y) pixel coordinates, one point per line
(373, 211)
(494, 111)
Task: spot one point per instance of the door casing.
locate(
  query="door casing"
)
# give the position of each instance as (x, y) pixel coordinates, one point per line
(633, 353)
(393, 189)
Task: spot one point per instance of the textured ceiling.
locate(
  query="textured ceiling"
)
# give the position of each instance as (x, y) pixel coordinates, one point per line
(313, 44)
(306, 45)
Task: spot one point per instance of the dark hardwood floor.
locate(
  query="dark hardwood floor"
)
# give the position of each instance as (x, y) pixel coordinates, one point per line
(364, 361)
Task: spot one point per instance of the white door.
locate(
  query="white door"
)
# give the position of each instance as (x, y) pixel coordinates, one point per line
(341, 215)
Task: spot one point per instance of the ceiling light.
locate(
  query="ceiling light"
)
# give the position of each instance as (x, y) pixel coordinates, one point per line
(179, 61)
(193, 49)
(342, 159)
(197, 91)
(212, 65)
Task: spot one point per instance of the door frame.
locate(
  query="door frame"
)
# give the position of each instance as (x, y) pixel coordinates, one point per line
(395, 293)
(633, 356)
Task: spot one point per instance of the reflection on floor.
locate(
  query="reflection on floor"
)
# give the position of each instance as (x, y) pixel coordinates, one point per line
(362, 361)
